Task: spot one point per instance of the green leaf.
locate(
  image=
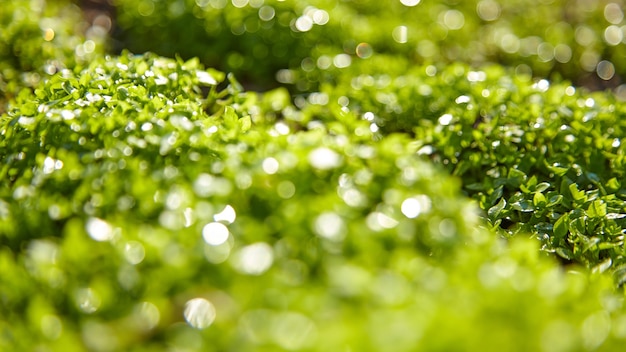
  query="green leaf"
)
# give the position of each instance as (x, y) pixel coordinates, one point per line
(477, 186)
(565, 253)
(561, 226)
(539, 200)
(608, 245)
(554, 200)
(577, 195)
(542, 186)
(603, 266)
(577, 226)
(591, 244)
(593, 177)
(613, 184)
(530, 185)
(67, 87)
(122, 93)
(557, 169)
(515, 177)
(230, 117)
(494, 212)
(245, 123)
(496, 194)
(596, 209)
(524, 205)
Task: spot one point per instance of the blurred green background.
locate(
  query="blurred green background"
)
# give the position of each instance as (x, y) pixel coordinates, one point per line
(579, 40)
(294, 43)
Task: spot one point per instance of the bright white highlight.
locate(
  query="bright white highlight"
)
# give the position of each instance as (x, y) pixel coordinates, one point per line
(215, 233)
(99, 229)
(199, 313)
(324, 159)
(254, 259)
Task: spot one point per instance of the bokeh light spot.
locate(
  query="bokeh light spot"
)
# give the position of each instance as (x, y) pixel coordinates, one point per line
(488, 10)
(199, 313)
(304, 23)
(147, 315)
(613, 35)
(215, 233)
(48, 34)
(400, 34)
(134, 252)
(254, 259)
(286, 189)
(410, 3)
(364, 50)
(613, 13)
(227, 215)
(454, 19)
(266, 13)
(270, 166)
(605, 70)
(330, 226)
(324, 159)
(99, 229)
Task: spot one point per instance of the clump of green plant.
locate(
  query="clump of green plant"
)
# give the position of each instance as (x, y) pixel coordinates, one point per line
(39, 38)
(539, 158)
(146, 204)
(577, 40)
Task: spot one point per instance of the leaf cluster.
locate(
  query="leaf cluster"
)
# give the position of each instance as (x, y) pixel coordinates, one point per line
(120, 180)
(531, 153)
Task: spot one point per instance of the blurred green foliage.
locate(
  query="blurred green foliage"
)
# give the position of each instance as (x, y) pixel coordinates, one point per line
(39, 38)
(579, 40)
(149, 203)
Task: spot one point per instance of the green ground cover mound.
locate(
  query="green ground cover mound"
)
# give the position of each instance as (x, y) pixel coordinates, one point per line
(142, 209)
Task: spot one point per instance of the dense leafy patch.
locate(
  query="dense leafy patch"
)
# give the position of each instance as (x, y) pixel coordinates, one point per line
(539, 158)
(137, 196)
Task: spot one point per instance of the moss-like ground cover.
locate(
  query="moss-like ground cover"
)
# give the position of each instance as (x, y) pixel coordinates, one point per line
(377, 199)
